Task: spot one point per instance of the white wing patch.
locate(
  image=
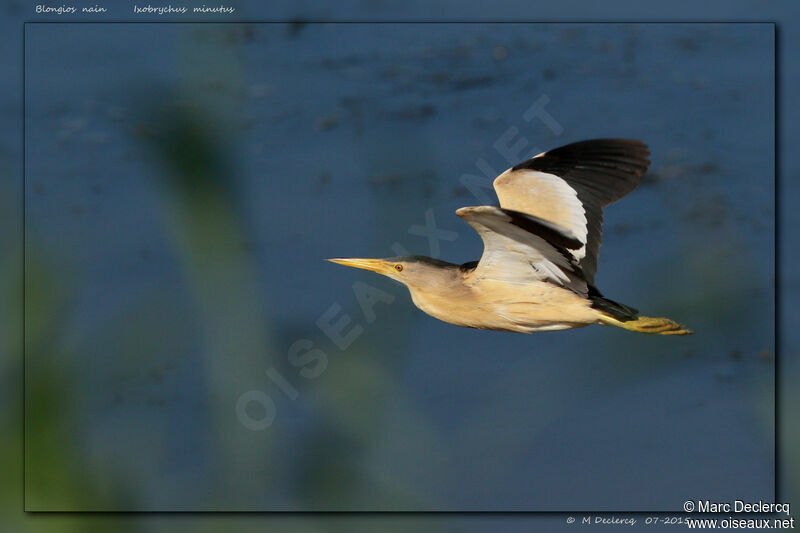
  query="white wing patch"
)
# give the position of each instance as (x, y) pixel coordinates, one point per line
(545, 196)
(511, 253)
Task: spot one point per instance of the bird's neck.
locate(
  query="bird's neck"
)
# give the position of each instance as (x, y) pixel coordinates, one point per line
(437, 300)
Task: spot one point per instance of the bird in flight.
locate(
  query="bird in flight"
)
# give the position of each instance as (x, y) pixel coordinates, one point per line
(540, 248)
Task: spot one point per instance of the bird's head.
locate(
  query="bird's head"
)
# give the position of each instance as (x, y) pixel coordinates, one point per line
(411, 270)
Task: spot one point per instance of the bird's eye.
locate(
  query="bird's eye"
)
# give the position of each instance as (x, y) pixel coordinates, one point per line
(398, 267)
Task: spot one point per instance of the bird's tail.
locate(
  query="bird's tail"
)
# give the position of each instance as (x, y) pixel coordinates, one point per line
(646, 324)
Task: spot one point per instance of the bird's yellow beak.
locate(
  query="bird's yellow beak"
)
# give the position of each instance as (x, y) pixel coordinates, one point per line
(376, 265)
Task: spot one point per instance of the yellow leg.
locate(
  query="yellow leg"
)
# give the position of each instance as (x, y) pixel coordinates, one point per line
(646, 324)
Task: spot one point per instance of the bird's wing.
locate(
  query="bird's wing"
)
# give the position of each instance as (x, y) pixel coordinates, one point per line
(570, 185)
(520, 248)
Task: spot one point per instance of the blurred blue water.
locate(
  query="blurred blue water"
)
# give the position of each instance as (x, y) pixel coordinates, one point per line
(343, 137)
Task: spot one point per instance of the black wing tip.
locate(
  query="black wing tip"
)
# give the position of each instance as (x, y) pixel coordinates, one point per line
(614, 143)
(630, 154)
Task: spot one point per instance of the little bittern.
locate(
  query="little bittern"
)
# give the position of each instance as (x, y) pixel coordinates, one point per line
(540, 248)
